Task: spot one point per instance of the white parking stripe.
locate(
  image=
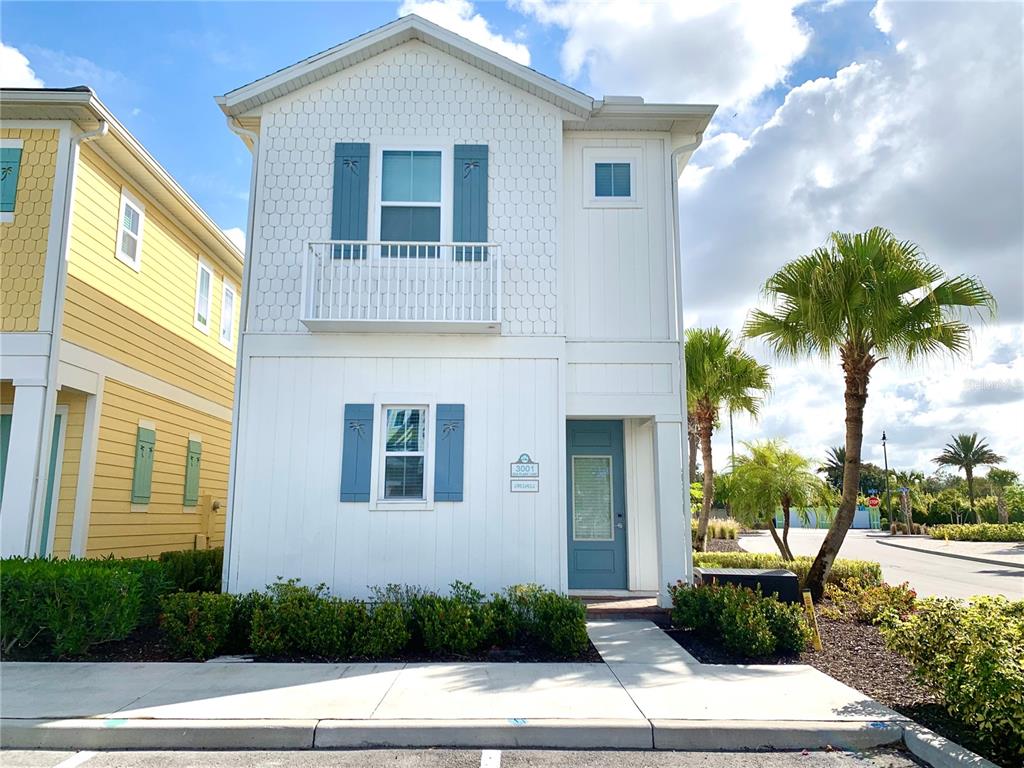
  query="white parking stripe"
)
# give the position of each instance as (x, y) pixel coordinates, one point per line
(75, 760)
(490, 758)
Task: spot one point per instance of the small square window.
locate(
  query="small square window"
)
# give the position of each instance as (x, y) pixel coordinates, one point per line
(405, 453)
(612, 180)
(129, 231)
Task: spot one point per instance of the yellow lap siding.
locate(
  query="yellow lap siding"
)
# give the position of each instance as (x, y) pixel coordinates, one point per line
(23, 242)
(100, 323)
(165, 523)
(65, 515)
(163, 292)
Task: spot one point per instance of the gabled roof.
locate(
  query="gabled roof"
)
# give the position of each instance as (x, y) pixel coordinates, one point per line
(411, 27)
(81, 106)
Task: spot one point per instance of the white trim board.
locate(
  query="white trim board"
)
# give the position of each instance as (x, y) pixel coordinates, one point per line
(112, 369)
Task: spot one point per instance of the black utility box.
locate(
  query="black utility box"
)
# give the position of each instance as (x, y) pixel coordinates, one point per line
(778, 581)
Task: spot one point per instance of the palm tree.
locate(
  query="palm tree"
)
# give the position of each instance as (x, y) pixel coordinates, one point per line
(835, 460)
(718, 373)
(967, 452)
(1001, 479)
(772, 475)
(863, 298)
(911, 481)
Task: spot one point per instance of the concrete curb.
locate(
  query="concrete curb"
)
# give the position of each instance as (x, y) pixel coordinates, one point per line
(493, 734)
(729, 735)
(111, 733)
(940, 752)
(986, 560)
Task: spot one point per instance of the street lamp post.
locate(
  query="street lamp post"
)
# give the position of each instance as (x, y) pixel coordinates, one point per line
(888, 496)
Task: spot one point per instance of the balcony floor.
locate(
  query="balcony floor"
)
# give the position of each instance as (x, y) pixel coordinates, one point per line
(403, 326)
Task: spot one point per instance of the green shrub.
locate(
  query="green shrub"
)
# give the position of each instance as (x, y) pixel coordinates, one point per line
(305, 622)
(883, 523)
(239, 639)
(194, 570)
(559, 624)
(979, 532)
(973, 655)
(864, 571)
(744, 621)
(196, 625)
(64, 607)
(458, 623)
(869, 605)
(387, 633)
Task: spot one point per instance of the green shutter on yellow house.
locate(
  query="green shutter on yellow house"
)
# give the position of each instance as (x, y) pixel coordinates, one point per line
(192, 460)
(142, 475)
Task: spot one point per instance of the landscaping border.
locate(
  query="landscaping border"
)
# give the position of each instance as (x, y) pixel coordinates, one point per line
(987, 561)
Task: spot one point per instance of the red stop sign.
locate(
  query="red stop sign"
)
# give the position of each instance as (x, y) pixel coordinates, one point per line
(873, 501)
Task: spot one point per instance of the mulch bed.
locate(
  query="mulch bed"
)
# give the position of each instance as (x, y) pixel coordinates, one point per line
(723, 545)
(855, 654)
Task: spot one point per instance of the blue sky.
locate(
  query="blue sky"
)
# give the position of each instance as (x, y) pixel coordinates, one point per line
(834, 116)
(159, 65)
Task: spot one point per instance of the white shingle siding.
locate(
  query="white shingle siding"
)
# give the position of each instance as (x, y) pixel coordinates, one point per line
(411, 91)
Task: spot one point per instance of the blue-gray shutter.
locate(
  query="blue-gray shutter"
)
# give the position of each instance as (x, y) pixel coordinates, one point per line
(350, 209)
(470, 201)
(356, 452)
(449, 454)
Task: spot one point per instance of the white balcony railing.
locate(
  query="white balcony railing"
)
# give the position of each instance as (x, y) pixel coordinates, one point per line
(428, 287)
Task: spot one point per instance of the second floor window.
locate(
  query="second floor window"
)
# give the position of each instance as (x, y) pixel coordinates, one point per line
(129, 231)
(410, 202)
(204, 294)
(227, 315)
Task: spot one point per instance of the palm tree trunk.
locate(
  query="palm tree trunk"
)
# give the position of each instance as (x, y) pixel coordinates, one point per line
(856, 369)
(970, 492)
(785, 529)
(778, 542)
(705, 426)
(1004, 514)
(691, 439)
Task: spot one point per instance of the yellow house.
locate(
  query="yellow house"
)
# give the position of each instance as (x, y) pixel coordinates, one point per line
(119, 308)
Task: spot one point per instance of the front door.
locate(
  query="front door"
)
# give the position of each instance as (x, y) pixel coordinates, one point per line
(597, 505)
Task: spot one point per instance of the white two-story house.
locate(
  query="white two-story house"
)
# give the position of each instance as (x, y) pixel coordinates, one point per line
(460, 350)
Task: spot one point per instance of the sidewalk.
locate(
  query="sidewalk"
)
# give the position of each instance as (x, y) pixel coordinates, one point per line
(649, 693)
(1006, 553)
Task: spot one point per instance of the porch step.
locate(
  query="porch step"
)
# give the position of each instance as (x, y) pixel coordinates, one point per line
(626, 608)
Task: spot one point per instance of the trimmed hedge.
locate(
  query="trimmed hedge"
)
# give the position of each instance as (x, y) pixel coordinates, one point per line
(196, 624)
(973, 655)
(194, 570)
(864, 572)
(64, 607)
(746, 622)
(979, 532)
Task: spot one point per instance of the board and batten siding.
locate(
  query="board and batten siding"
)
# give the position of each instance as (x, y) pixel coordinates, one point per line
(143, 319)
(24, 241)
(411, 95)
(165, 523)
(288, 520)
(618, 283)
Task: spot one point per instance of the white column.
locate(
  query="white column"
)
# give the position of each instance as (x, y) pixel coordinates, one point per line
(86, 471)
(673, 520)
(20, 474)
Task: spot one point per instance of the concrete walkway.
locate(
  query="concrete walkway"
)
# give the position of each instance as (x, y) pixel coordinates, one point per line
(649, 693)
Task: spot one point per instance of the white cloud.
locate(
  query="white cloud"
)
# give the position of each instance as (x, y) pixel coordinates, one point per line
(699, 52)
(461, 18)
(925, 137)
(15, 71)
(237, 236)
(67, 70)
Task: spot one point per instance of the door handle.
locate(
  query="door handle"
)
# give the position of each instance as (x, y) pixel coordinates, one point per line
(619, 525)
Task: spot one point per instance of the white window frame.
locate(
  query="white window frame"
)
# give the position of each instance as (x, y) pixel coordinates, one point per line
(127, 198)
(594, 155)
(227, 289)
(381, 404)
(202, 266)
(446, 203)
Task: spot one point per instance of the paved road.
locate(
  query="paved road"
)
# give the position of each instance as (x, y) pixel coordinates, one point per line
(930, 574)
(450, 758)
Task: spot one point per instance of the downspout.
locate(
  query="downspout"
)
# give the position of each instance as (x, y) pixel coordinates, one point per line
(675, 173)
(229, 513)
(56, 327)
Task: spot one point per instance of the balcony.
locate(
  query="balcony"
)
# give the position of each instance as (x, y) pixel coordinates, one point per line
(402, 287)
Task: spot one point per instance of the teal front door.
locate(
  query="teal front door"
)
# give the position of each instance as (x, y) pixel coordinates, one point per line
(597, 505)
